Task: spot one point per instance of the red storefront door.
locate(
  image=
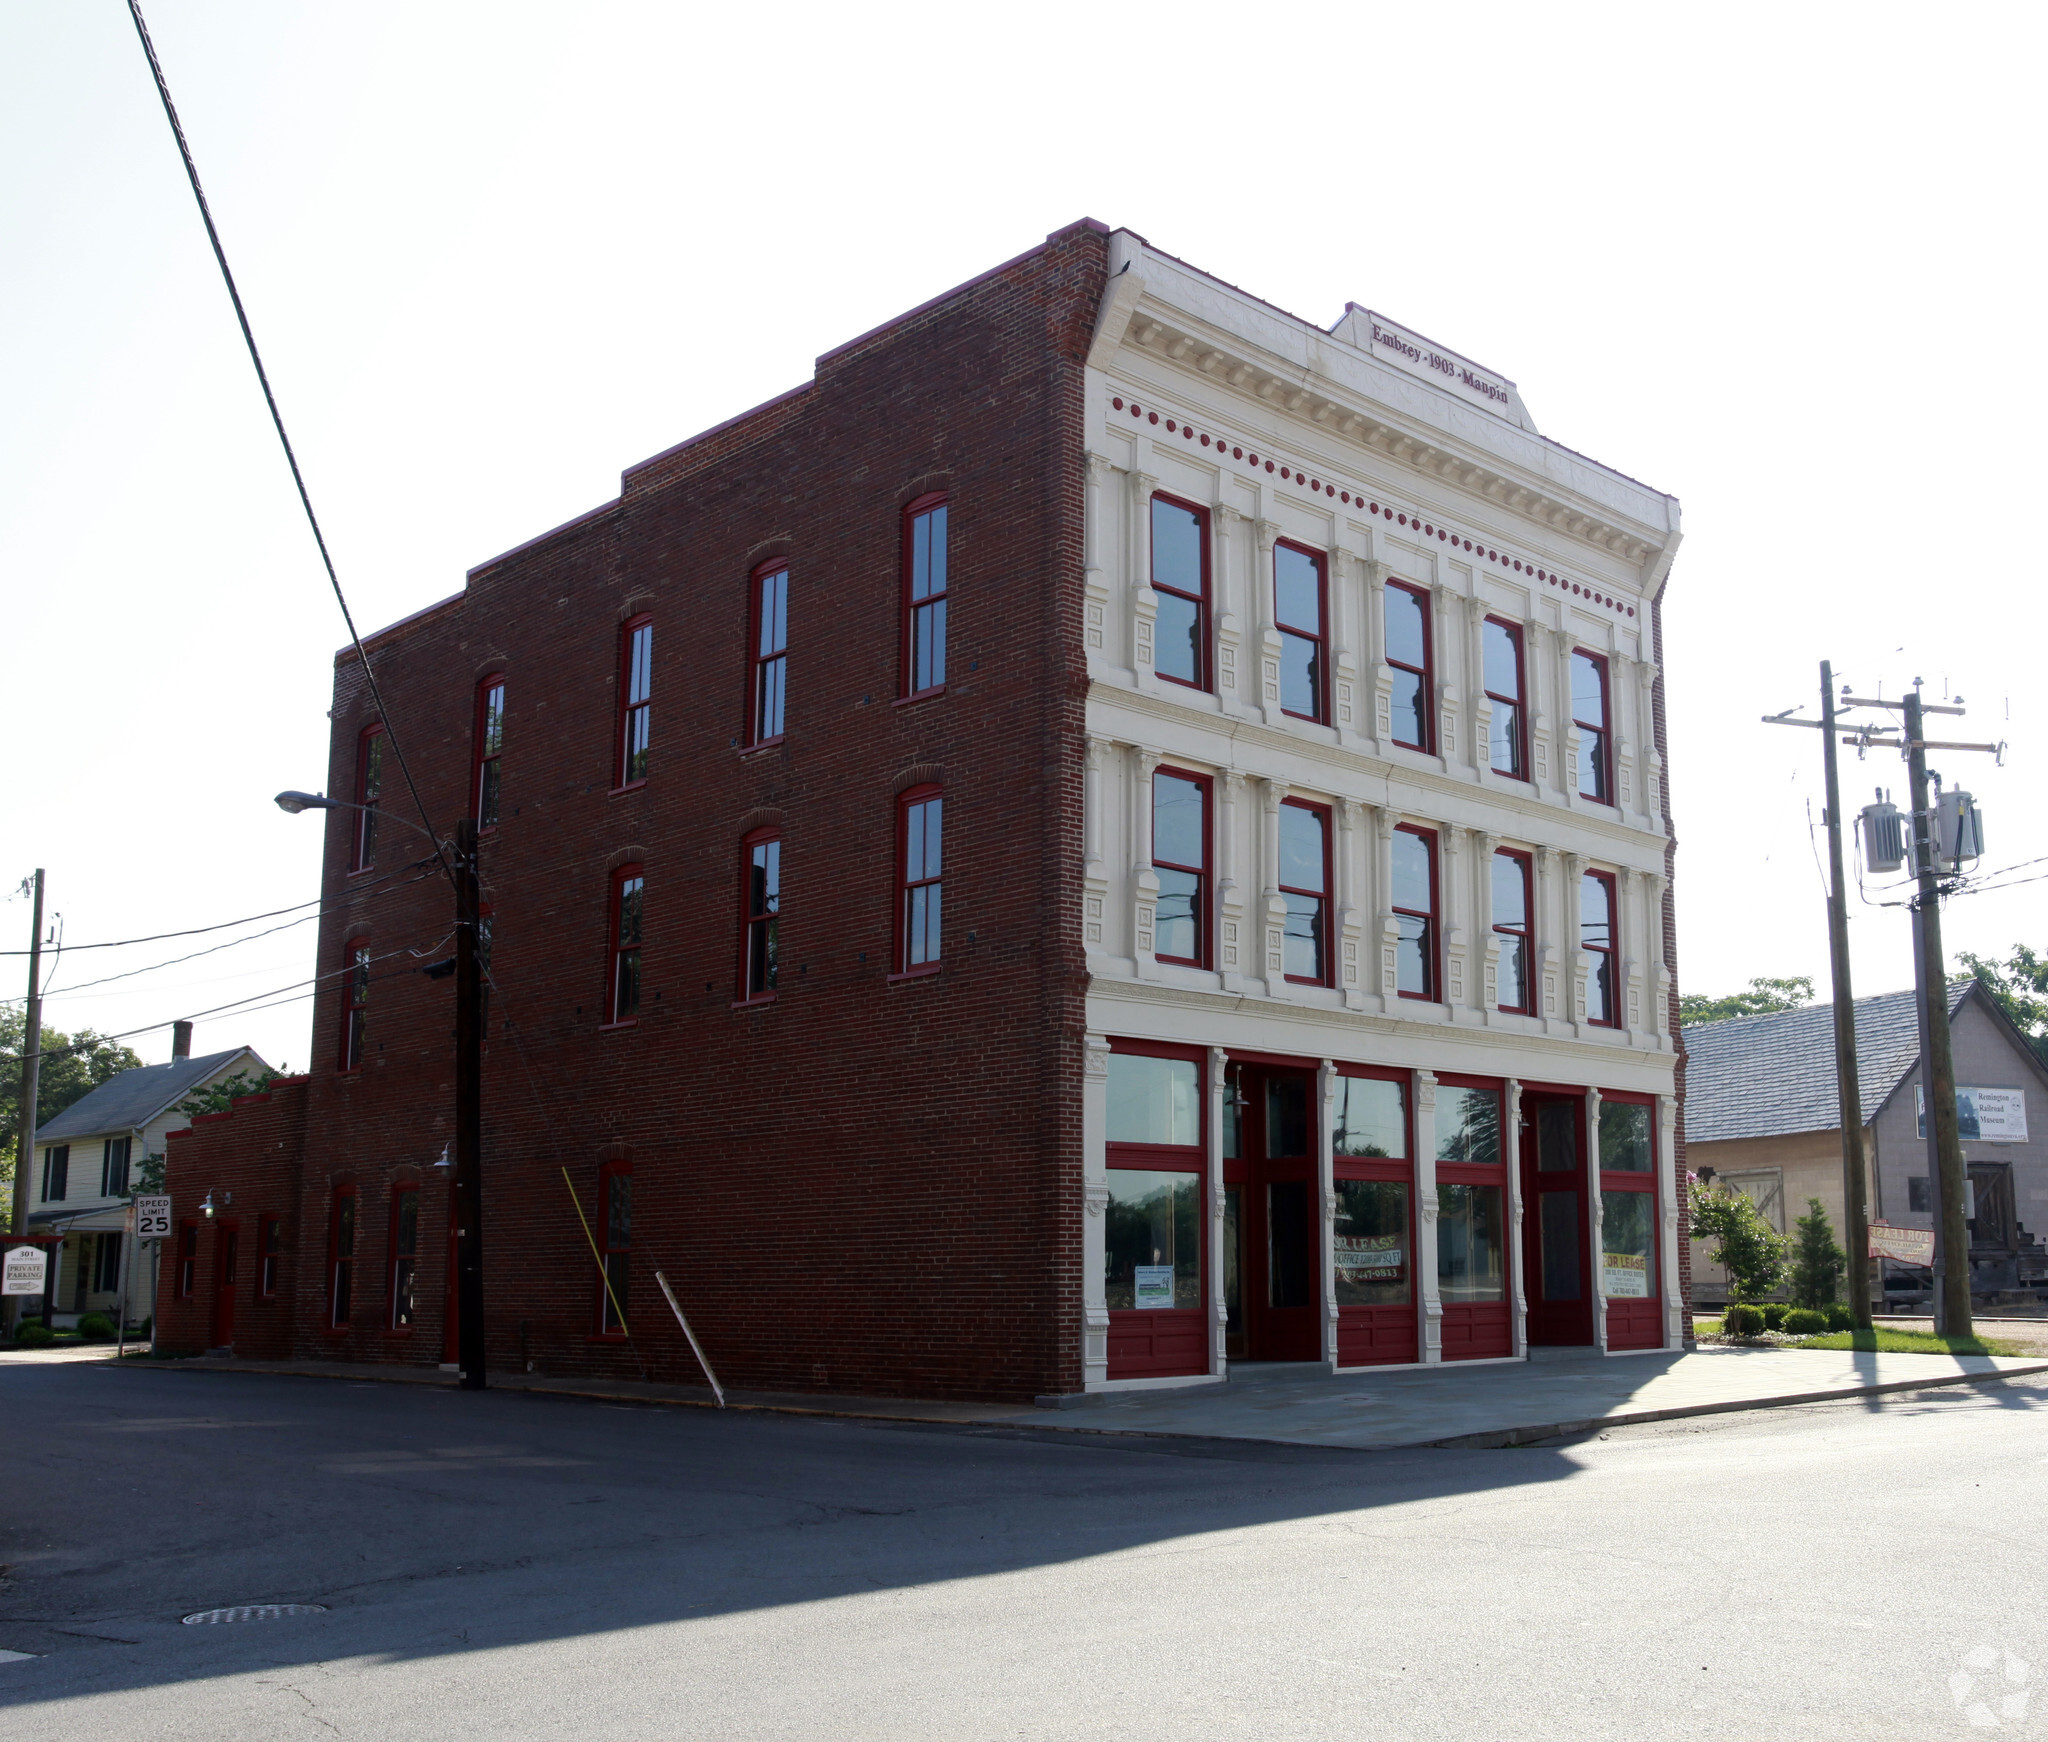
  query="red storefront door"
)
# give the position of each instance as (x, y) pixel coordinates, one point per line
(1556, 1248)
(1274, 1227)
(227, 1260)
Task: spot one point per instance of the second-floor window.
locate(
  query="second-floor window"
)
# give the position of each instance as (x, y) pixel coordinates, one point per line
(1406, 617)
(56, 1173)
(490, 742)
(1180, 860)
(369, 794)
(924, 596)
(188, 1258)
(615, 1228)
(1596, 938)
(270, 1257)
(760, 910)
(1506, 734)
(355, 1004)
(1299, 616)
(341, 1258)
(622, 994)
(771, 652)
(1589, 714)
(1180, 577)
(636, 699)
(920, 852)
(1512, 912)
(114, 1167)
(1305, 886)
(405, 1252)
(1415, 913)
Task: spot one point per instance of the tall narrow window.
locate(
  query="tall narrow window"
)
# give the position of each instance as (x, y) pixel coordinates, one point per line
(1180, 860)
(924, 596)
(341, 1257)
(1512, 912)
(1415, 914)
(1596, 938)
(56, 1173)
(355, 1003)
(636, 699)
(1299, 616)
(405, 1252)
(490, 741)
(369, 794)
(270, 1257)
(760, 909)
(615, 1223)
(1408, 648)
(188, 1258)
(107, 1265)
(771, 651)
(1304, 886)
(920, 852)
(1589, 714)
(1180, 576)
(114, 1167)
(1504, 690)
(622, 995)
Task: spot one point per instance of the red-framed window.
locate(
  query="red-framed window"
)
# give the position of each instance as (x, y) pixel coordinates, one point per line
(1301, 614)
(1155, 1242)
(615, 1244)
(1416, 968)
(341, 1258)
(369, 794)
(405, 1256)
(924, 596)
(490, 745)
(1514, 915)
(920, 862)
(1180, 577)
(622, 955)
(1305, 887)
(1409, 646)
(1589, 714)
(760, 911)
(355, 1002)
(188, 1259)
(636, 701)
(767, 685)
(1473, 1256)
(1629, 1221)
(1373, 1169)
(269, 1256)
(1507, 735)
(1180, 860)
(1597, 937)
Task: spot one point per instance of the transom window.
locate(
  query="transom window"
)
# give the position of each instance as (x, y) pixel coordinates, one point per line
(490, 743)
(1513, 912)
(761, 906)
(636, 699)
(1304, 886)
(1415, 913)
(1180, 577)
(1406, 616)
(1596, 937)
(629, 890)
(921, 853)
(1506, 734)
(771, 652)
(1180, 860)
(924, 596)
(1298, 615)
(1589, 714)
(369, 794)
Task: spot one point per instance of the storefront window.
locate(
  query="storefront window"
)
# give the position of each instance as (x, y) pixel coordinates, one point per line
(1372, 1117)
(1153, 1245)
(1468, 1126)
(1372, 1242)
(1624, 1137)
(1154, 1100)
(1470, 1258)
(1627, 1220)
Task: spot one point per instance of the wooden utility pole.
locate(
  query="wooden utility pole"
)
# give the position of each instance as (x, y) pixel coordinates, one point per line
(31, 1072)
(1848, 1080)
(469, 1204)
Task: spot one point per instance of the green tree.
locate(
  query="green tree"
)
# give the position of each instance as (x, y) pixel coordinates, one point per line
(1764, 996)
(2019, 986)
(72, 1067)
(1818, 1264)
(219, 1097)
(1751, 1249)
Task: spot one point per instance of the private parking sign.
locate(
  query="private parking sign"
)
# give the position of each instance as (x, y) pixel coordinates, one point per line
(25, 1268)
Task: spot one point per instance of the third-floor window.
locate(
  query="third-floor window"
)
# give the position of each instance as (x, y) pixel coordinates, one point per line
(1406, 613)
(1506, 734)
(1299, 615)
(636, 699)
(1180, 578)
(369, 794)
(770, 658)
(1589, 714)
(924, 596)
(490, 745)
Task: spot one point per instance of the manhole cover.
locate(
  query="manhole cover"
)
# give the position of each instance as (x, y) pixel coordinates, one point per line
(254, 1612)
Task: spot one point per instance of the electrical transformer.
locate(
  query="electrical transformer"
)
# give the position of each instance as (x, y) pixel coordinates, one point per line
(1958, 829)
(1884, 837)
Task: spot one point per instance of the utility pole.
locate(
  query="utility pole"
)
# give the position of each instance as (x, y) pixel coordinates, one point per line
(469, 1205)
(31, 1072)
(1848, 1080)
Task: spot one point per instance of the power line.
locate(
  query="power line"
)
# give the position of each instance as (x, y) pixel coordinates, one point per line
(163, 90)
(195, 931)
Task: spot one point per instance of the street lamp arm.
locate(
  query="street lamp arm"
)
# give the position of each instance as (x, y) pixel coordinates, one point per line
(292, 803)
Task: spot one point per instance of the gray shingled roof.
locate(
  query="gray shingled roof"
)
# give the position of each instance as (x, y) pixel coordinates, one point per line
(134, 1097)
(1769, 1076)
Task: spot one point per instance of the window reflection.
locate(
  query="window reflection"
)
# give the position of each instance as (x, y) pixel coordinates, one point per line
(1372, 1244)
(1470, 1262)
(1624, 1137)
(1468, 1125)
(1153, 1100)
(1152, 1240)
(1372, 1117)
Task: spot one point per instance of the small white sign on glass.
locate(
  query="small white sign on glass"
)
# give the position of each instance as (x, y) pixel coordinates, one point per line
(1152, 1285)
(1627, 1276)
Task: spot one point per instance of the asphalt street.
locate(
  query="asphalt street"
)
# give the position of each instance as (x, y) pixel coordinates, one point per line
(506, 1565)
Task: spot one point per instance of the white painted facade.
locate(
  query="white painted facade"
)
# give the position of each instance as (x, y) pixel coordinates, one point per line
(1434, 438)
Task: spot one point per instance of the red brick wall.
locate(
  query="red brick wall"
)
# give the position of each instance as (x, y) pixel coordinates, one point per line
(863, 1186)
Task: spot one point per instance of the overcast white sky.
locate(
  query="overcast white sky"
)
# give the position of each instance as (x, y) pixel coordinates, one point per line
(1783, 261)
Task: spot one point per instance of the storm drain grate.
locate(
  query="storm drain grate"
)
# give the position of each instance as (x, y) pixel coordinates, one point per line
(253, 1612)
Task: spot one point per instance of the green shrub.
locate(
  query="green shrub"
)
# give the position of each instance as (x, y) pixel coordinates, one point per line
(147, 1328)
(33, 1334)
(1752, 1250)
(1742, 1321)
(1774, 1315)
(1818, 1264)
(96, 1328)
(1806, 1322)
(1840, 1315)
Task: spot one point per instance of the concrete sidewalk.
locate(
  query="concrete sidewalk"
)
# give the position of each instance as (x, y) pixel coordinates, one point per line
(1494, 1404)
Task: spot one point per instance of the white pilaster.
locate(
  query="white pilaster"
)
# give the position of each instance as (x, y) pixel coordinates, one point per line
(1597, 1219)
(1423, 1090)
(1095, 1200)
